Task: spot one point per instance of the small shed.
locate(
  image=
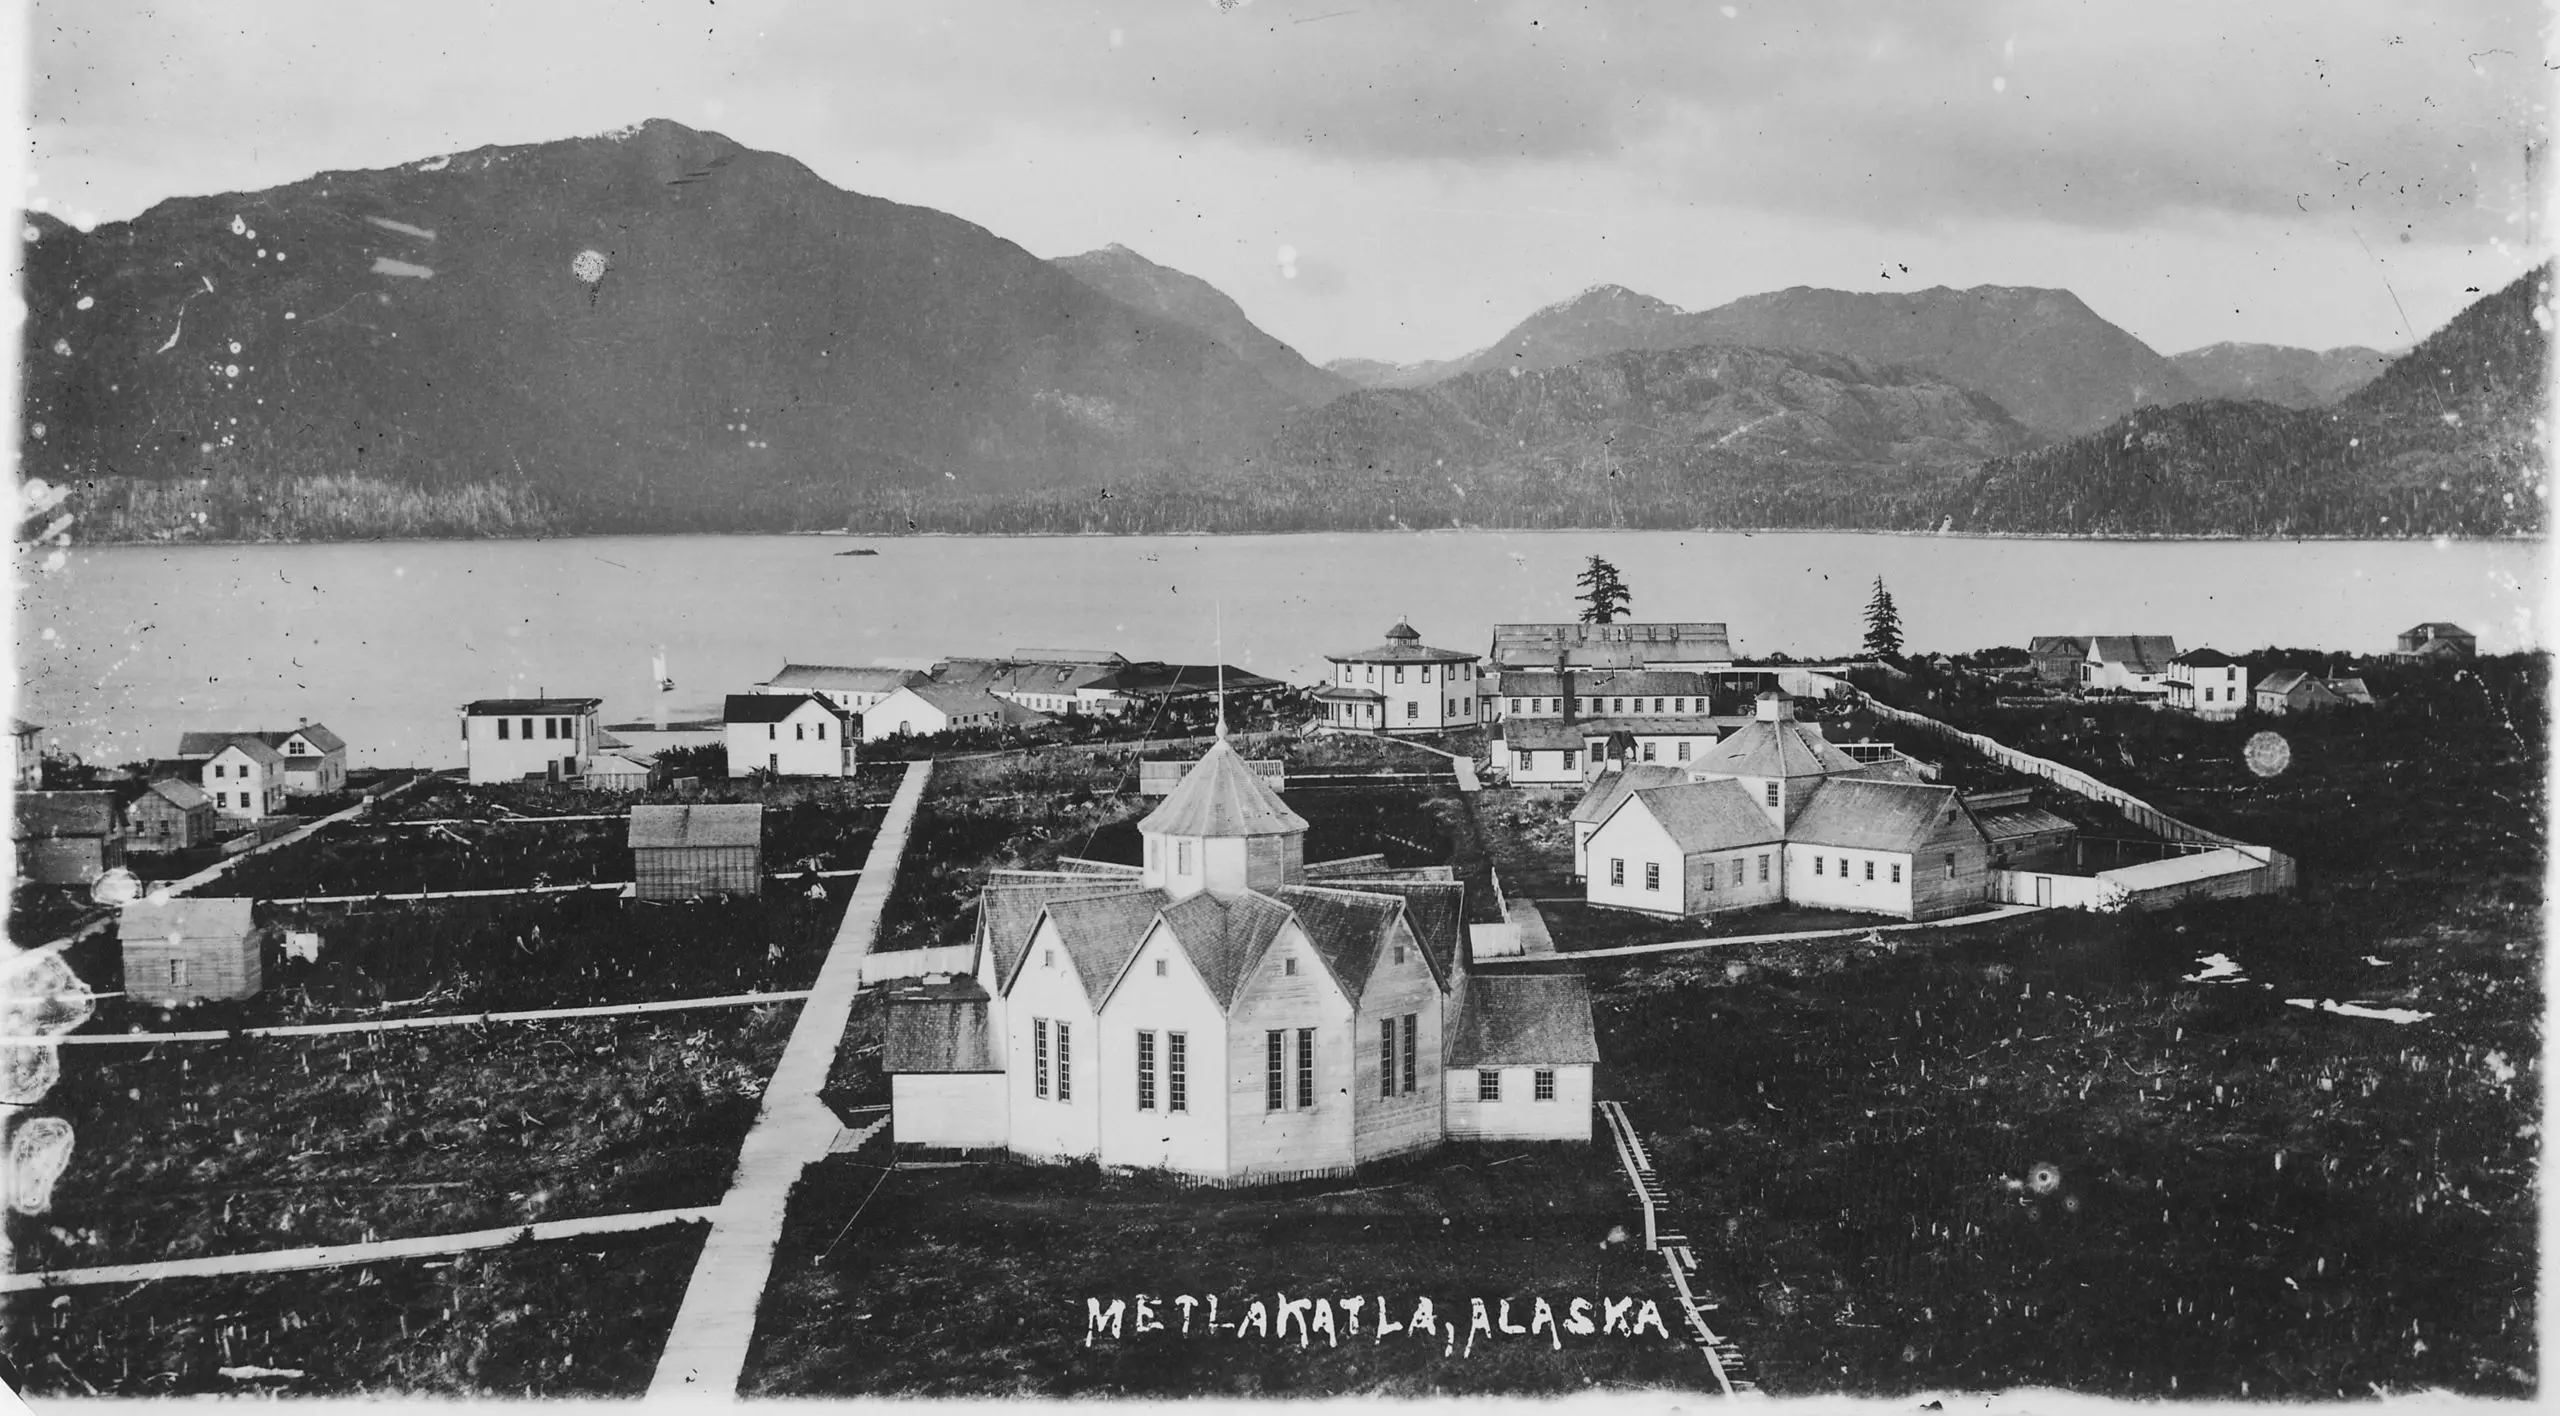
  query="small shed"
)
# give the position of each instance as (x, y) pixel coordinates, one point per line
(2022, 835)
(679, 852)
(68, 838)
(946, 1090)
(190, 951)
(171, 815)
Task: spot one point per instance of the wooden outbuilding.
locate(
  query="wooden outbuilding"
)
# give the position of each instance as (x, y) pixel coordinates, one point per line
(68, 838)
(190, 951)
(679, 852)
(170, 815)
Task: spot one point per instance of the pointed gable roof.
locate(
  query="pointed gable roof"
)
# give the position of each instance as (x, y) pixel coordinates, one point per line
(1221, 796)
(1435, 910)
(1784, 748)
(1100, 933)
(1862, 815)
(1009, 909)
(2143, 653)
(1346, 927)
(1224, 938)
(182, 794)
(1705, 816)
(1614, 787)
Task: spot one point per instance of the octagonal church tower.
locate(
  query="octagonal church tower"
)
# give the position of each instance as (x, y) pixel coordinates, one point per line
(1223, 830)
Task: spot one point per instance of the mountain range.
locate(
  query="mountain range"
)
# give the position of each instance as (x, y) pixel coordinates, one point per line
(658, 329)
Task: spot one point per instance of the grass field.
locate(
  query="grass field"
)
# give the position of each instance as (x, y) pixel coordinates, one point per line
(215, 1148)
(569, 1318)
(973, 1281)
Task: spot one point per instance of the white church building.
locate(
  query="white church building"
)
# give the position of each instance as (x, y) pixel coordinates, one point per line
(1225, 1011)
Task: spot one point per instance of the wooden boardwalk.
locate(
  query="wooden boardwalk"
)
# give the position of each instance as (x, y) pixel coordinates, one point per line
(706, 1351)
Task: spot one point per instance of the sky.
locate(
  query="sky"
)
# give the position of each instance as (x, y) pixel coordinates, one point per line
(1408, 179)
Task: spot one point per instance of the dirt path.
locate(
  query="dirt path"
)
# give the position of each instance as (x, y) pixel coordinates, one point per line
(707, 1348)
(440, 1020)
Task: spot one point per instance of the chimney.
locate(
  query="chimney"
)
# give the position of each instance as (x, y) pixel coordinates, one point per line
(1564, 686)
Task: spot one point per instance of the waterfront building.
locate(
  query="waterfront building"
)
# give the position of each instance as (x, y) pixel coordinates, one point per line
(788, 735)
(1400, 686)
(2208, 683)
(510, 739)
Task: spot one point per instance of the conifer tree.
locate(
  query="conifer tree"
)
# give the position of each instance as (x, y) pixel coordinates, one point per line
(1604, 596)
(1884, 624)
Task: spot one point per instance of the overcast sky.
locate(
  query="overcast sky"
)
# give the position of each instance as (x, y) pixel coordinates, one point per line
(1439, 170)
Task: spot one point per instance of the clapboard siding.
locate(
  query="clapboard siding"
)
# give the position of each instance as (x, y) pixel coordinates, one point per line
(1290, 1138)
(1406, 1121)
(682, 872)
(1519, 1116)
(1934, 892)
(948, 1110)
(211, 971)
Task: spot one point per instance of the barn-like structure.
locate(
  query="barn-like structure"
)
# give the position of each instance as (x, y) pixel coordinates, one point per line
(682, 851)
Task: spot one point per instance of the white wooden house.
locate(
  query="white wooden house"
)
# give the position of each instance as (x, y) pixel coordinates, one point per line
(1775, 814)
(510, 739)
(856, 688)
(2209, 684)
(2128, 663)
(1215, 1015)
(1401, 686)
(244, 775)
(315, 759)
(924, 709)
(789, 735)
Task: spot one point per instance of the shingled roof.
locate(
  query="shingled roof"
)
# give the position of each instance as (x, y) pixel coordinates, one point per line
(186, 921)
(1222, 796)
(1346, 927)
(1436, 910)
(1224, 938)
(712, 824)
(843, 678)
(772, 707)
(1010, 906)
(1706, 816)
(1785, 748)
(937, 1027)
(1617, 646)
(1613, 788)
(1872, 816)
(183, 795)
(1404, 646)
(1100, 932)
(2142, 653)
(1523, 1020)
(254, 746)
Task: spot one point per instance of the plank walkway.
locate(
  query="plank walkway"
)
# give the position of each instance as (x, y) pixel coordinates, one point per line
(341, 1255)
(1676, 945)
(706, 1350)
(622, 885)
(440, 1020)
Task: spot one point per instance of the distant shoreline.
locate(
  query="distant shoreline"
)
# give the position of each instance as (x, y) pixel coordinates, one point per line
(209, 543)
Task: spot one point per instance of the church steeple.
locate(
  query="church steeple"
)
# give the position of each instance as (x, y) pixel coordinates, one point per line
(1222, 829)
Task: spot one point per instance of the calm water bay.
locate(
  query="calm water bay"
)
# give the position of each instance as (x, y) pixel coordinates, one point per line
(122, 647)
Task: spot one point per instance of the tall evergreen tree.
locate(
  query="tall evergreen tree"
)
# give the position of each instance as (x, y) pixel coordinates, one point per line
(1604, 596)
(1884, 624)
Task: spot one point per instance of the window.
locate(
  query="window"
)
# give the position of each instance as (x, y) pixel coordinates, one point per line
(1524, 761)
(1048, 958)
(1617, 705)
(795, 733)
(1707, 876)
(1844, 867)
(1426, 673)
(1684, 752)
(1951, 865)
(1617, 872)
(1411, 1032)
(1652, 875)
(1182, 858)
(502, 730)
(1146, 1071)
(1066, 1067)
(1160, 970)
(1537, 705)
(1542, 1084)
(1488, 1085)
(1386, 1057)
(1571, 758)
(1399, 673)
(1764, 869)
(1817, 865)
(1273, 1098)
(1515, 705)
(1177, 1071)
(1306, 1067)
(1039, 1056)
(1657, 705)
(1897, 872)
(550, 728)
(1737, 871)
(1679, 705)
(219, 770)
(224, 799)
(1412, 710)
(177, 973)
(1648, 750)
(773, 761)
(528, 730)
(1289, 965)
(1770, 793)
(770, 732)
(1871, 870)
(1399, 953)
